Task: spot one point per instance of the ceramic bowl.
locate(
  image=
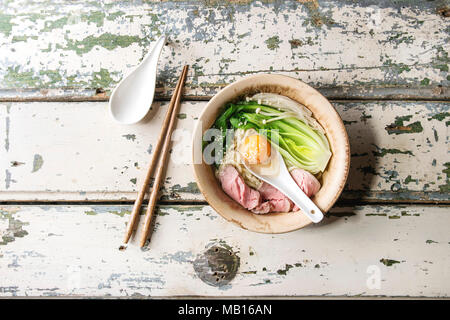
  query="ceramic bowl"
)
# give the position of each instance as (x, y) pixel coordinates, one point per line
(332, 180)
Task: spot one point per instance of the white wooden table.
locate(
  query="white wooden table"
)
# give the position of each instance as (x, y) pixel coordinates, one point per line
(69, 174)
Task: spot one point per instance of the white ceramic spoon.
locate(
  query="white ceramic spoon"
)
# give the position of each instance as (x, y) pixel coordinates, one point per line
(133, 96)
(278, 176)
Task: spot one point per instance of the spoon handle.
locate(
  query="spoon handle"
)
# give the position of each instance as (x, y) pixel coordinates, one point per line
(154, 52)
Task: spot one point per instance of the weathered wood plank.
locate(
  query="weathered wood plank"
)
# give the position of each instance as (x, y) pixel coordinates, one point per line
(73, 48)
(358, 92)
(74, 151)
(74, 250)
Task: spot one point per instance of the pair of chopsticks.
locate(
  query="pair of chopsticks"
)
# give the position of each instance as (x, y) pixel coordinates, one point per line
(163, 142)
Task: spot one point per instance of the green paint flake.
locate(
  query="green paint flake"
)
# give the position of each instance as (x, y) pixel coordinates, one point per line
(396, 68)
(181, 116)
(436, 136)
(442, 67)
(19, 39)
(131, 137)
(409, 179)
(190, 188)
(55, 24)
(5, 24)
(399, 126)
(121, 213)
(365, 116)
(388, 262)
(440, 116)
(430, 241)
(273, 42)
(102, 79)
(114, 15)
(441, 60)
(30, 79)
(53, 75)
(184, 209)
(285, 270)
(107, 40)
(38, 161)
(446, 187)
(425, 82)
(198, 69)
(133, 181)
(316, 16)
(400, 37)
(96, 17)
(223, 60)
(14, 229)
(161, 212)
(18, 79)
(249, 272)
(381, 152)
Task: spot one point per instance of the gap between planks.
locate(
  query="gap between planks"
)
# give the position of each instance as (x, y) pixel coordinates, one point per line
(339, 203)
(436, 94)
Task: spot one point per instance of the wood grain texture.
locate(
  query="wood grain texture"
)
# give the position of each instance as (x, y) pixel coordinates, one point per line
(74, 151)
(74, 250)
(70, 49)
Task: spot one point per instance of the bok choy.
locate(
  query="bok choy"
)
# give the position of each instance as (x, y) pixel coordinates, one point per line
(288, 125)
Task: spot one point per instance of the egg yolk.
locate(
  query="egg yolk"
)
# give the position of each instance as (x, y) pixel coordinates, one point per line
(255, 149)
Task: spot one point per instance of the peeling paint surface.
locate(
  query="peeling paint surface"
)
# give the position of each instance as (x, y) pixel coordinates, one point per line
(384, 166)
(93, 45)
(37, 162)
(63, 243)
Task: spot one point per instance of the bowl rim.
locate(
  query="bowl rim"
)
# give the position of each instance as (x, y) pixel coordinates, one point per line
(274, 78)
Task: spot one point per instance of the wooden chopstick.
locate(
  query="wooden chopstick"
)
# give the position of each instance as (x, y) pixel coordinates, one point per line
(162, 161)
(154, 161)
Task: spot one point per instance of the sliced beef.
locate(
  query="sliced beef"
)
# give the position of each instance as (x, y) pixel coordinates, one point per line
(306, 181)
(269, 192)
(267, 198)
(282, 205)
(235, 187)
(277, 201)
(263, 208)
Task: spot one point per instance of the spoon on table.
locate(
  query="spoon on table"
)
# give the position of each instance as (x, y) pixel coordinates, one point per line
(133, 96)
(275, 173)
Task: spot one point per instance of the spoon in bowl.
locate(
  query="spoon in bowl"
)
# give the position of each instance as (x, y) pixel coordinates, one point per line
(275, 173)
(133, 96)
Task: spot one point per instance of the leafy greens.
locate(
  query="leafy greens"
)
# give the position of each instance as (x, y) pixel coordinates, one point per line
(300, 145)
